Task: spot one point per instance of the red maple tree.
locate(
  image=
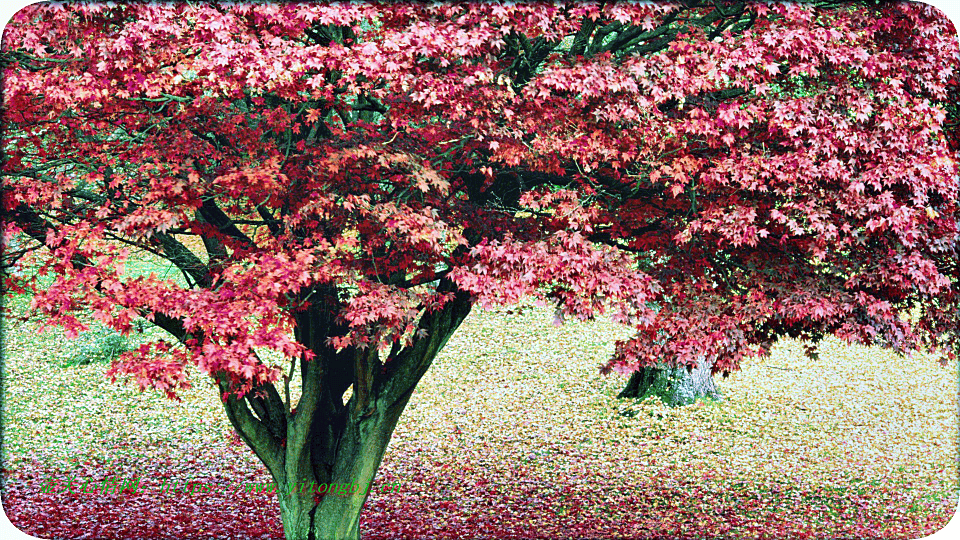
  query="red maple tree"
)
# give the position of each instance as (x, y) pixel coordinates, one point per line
(339, 184)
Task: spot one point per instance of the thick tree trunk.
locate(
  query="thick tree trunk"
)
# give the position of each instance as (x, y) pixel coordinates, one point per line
(675, 386)
(324, 442)
(307, 514)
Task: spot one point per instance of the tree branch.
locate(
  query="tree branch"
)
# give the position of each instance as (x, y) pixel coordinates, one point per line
(184, 259)
(213, 215)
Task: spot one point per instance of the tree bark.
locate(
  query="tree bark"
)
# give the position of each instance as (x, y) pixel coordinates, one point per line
(675, 386)
(324, 442)
(307, 514)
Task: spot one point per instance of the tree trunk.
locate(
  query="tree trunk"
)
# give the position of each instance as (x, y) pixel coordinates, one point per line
(324, 454)
(335, 513)
(675, 386)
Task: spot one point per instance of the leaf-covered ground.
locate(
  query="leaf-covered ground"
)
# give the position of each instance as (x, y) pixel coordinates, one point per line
(514, 434)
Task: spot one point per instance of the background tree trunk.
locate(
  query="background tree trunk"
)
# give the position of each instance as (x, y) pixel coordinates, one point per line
(675, 386)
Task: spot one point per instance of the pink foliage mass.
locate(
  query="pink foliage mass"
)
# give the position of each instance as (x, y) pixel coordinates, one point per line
(793, 179)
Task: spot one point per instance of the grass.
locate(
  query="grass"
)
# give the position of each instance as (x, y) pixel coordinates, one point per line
(514, 434)
(97, 345)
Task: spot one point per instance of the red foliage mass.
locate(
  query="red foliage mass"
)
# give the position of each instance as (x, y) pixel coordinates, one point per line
(793, 177)
(434, 505)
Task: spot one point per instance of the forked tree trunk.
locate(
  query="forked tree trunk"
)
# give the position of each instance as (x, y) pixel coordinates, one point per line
(675, 386)
(310, 516)
(325, 442)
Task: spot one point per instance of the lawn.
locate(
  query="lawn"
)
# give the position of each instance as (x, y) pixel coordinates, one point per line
(512, 434)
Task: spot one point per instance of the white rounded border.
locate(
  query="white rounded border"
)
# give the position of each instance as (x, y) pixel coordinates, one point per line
(8, 8)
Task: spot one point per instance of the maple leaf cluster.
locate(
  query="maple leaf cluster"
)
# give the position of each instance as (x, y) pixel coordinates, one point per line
(717, 175)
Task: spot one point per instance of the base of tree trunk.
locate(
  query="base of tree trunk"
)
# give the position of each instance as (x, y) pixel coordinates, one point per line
(675, 386)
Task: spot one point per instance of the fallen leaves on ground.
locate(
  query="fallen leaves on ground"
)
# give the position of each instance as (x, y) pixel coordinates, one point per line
(514, 434)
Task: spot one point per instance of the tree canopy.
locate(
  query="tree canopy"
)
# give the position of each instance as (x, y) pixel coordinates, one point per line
(341, 183)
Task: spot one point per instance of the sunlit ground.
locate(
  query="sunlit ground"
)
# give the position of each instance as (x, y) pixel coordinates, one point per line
(514, 434)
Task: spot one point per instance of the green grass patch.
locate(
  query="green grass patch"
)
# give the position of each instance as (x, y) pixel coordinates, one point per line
(101, 345)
